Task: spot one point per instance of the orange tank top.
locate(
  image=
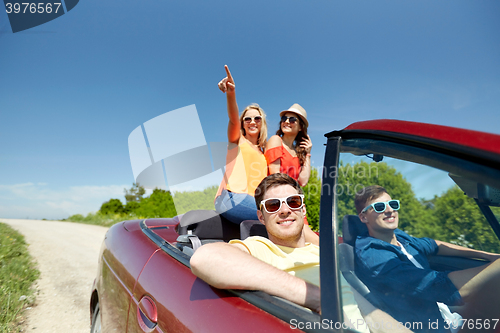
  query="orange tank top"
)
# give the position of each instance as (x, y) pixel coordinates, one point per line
(245, 169)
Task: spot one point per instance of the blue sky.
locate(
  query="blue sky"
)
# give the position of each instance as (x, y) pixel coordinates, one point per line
(73, 89)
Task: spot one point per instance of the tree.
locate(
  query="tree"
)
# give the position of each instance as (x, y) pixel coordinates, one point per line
(135, 193)
(113, 206)
(158, 204)
(131, 207)
(457, 219)
(186, 201)
(312, 197)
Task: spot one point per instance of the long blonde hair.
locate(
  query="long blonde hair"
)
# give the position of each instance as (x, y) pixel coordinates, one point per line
(262, 140)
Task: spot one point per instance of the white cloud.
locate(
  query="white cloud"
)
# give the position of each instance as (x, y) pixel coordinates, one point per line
(37, 201)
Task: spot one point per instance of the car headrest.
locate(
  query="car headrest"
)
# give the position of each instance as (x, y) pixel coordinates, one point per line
(352, 227)
(207, 224)
(252, 228)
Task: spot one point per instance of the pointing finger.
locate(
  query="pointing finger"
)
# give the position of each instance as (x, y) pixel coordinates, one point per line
(229, 76)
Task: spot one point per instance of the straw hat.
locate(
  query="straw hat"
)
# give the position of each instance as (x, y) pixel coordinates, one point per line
(298, 110)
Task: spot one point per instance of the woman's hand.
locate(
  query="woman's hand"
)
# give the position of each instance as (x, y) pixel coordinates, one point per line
(306, 144)
(226, 85)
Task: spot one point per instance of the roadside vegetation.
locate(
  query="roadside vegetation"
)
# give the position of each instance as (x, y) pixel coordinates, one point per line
(451, 217)
(160, 203)
(17, 274)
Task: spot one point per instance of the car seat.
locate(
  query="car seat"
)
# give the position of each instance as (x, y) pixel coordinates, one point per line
(198, 227)
(252, 228)
(351, 228)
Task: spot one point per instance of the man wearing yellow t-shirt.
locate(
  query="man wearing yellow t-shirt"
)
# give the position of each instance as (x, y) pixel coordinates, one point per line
(287, 266)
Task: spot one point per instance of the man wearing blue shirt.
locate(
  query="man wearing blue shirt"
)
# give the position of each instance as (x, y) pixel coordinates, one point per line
(394, 266)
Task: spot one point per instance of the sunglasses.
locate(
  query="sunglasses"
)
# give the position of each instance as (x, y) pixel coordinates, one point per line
(291, 119)
(272, 205)
(380, 207)
(257, 119)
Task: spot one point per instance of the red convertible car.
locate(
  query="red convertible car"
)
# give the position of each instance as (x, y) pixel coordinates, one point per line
(144, 282)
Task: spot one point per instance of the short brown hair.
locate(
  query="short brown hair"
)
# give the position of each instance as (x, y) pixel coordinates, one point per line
(367, 194)
(276, 179)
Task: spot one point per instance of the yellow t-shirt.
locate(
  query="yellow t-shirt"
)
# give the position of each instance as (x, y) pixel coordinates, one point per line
(302, 262)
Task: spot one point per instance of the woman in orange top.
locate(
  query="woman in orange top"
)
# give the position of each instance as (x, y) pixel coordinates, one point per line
(246, 165)
(289, 151)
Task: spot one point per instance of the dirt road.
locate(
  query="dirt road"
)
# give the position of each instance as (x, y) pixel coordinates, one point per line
(66, 254)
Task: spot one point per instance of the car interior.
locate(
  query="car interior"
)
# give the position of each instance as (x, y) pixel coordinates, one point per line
(198, 227)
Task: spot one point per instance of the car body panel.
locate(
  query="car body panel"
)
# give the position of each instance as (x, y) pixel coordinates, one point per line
(189, 298)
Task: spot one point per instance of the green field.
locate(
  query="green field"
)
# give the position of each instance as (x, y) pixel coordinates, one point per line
(17, 274)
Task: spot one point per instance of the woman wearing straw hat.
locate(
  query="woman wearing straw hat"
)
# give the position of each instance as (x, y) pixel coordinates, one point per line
(289, 151)
(246, 165)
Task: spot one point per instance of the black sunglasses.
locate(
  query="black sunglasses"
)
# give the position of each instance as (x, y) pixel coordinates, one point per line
(291, 119)
(272, 205)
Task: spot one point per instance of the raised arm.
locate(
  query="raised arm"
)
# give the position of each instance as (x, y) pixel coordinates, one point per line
(305, 170)
(227, 86)
(230, 266)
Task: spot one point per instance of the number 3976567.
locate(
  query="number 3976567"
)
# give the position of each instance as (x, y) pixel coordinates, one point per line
(32, 8)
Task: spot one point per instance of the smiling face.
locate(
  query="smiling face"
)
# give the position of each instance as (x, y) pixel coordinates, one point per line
(284, 227)
(289, 128)
(253, 127)
(379, 224)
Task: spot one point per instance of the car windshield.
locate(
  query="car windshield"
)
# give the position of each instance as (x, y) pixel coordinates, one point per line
(442, 197)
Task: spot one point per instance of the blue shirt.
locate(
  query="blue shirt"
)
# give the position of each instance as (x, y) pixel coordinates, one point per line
(409, 293)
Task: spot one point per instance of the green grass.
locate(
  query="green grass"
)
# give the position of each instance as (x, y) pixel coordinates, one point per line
(17, 274)
(101, 219)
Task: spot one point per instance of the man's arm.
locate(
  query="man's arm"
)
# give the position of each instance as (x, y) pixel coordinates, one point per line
(230, 266)
(447, 249)
(377, 320)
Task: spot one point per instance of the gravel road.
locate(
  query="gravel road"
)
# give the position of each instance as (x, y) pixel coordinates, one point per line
(67, 255)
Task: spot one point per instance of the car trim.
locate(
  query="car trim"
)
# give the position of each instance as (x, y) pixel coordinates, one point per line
(164, 245)
(490, 217)
(330, 296)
